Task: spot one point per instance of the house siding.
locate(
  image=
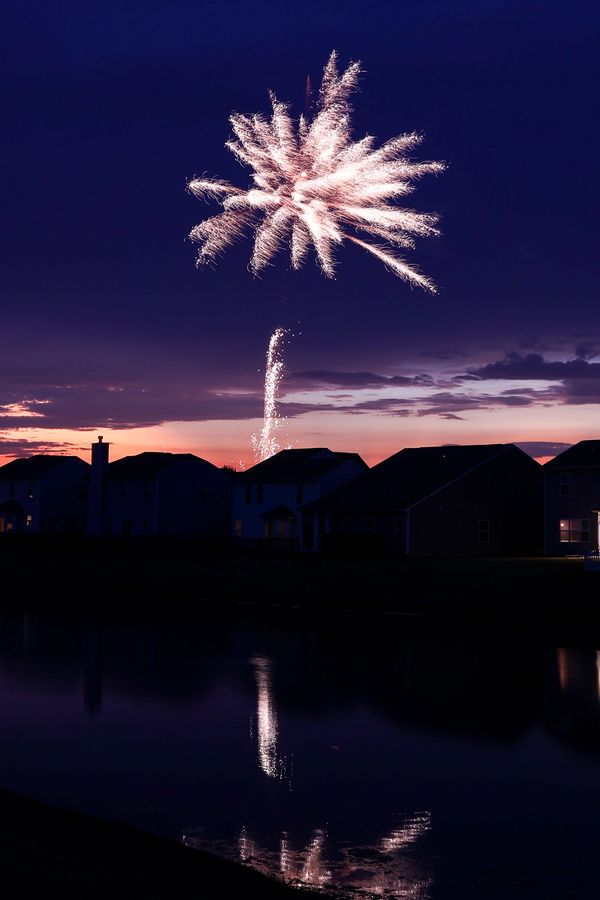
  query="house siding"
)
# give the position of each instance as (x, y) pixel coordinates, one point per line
(581, 502)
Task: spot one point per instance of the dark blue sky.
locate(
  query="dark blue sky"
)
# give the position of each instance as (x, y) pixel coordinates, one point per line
(110, 108)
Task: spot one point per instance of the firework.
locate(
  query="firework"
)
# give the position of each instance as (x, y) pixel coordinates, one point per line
(312, 185)
(265, 442)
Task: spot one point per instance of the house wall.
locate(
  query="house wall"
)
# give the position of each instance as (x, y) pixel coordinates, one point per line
(188, 498)
(581, 501)
(506, 493)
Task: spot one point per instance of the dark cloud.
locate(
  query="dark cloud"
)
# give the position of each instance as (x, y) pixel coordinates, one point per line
(356, 379)
(534, 367)
(23, 447)
(587, 350)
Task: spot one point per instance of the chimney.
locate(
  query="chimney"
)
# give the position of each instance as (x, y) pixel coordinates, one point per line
(96, 524)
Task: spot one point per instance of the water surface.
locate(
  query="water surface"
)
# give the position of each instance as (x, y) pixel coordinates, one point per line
(387, 758)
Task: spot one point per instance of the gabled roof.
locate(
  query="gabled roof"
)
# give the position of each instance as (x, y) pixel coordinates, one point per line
(411, 475)
(149, 464)
(278, 513)
(30, 467)
(584, 455)
(291, 466)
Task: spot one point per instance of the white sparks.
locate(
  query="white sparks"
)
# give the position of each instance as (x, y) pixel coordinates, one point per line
(265, 442)
(311, 182)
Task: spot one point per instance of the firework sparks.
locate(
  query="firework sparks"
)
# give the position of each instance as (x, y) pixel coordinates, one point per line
(265, 442)
(313, 185)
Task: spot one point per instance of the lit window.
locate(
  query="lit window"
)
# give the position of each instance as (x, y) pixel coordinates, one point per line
(28, 521)
(574, 531)
(484, 531)
(564, 488)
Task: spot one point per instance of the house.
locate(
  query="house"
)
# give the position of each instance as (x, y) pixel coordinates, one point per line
(43, 494)
(267, 499)
(439, 501)
(158, 494)
(572, 500)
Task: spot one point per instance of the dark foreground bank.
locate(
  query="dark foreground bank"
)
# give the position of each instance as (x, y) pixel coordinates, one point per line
(139, 574)
(50, 853)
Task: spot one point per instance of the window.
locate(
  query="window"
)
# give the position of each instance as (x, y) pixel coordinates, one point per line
(299, 494)
(484, 531)
(248, 493)
(28, 521)
(238, 528)
(574, 531)
(399, 531)
(259, 493)
(564, 488)
(30, 491)
(369, 526)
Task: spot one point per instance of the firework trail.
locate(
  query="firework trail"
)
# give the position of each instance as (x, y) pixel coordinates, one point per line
(313, 185)
(265, 443)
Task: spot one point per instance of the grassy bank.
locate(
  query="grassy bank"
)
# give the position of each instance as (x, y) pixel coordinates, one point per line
(148, 573)
(49, 853)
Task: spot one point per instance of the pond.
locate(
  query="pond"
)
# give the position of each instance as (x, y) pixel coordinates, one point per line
(382, 757)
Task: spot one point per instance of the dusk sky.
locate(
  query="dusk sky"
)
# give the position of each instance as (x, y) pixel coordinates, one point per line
(109, 109)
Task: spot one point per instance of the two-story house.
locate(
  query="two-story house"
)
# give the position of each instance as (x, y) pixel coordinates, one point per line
(268, 498)
(473, 500)
(158, 494)
(43, 494)
(572, 500)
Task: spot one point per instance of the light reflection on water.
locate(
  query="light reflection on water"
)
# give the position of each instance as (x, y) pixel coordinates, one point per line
(345, 871)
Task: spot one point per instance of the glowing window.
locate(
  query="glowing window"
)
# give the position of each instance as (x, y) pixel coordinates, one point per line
(574, 531)
(28, 521)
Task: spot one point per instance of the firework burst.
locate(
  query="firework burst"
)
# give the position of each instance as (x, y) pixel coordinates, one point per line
(313, 185)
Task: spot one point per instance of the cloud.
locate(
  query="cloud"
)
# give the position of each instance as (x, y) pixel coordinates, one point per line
(330, 379)
(534, 367)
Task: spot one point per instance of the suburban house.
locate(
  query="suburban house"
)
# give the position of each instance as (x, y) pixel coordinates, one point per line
(158, 494)
(572, 500)
(267, 499)
(439, 501)
(43, 494)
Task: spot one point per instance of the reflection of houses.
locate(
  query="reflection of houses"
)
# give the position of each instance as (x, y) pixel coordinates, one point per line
(267, 498)
(456, 500)
(572, 696)
(157, 494)
(43, 494)
(572, 499)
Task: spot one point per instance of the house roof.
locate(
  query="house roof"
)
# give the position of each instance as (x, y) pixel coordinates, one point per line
(409, 476)
(149, 464)
(278, 513)
(584, 455)
(307, 464)
(31, 467)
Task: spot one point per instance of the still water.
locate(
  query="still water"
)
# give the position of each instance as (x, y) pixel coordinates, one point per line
(390, 759)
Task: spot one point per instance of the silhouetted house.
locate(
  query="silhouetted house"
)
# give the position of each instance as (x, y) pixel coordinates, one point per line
(267, 498)
(439, 501)
(43, 494)
(572, 500)
(158, 494)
